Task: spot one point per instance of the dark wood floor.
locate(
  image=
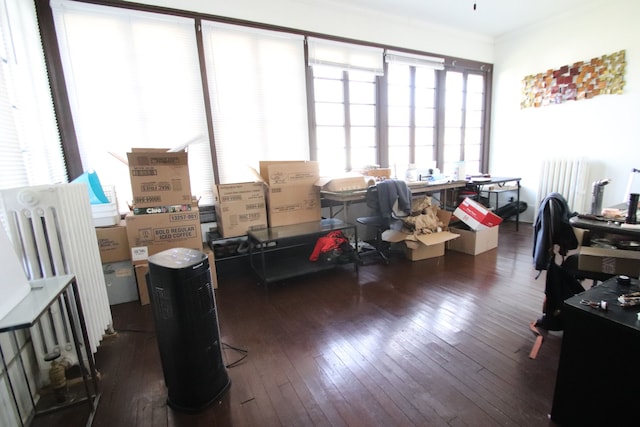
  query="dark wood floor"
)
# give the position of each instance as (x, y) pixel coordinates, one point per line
(439, 342)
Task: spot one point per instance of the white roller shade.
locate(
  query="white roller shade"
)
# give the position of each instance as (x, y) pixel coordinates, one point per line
(347, 56)
(432, 62)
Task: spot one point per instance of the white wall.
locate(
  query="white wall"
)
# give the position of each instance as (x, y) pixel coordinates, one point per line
(339, 20)
(606, 128)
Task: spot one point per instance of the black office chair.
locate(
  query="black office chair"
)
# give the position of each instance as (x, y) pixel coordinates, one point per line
(379, 223)
(390, 200)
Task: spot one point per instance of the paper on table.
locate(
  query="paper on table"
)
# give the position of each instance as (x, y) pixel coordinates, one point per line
(14, 285)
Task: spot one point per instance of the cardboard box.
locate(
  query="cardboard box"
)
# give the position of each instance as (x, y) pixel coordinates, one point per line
(159, 178)
(424, 252)
(292, 196)
(113, 243)
(342, 183)
(293, 204)
(240, 207)
(141, 281)
(121, 282)
(474, 242)
(423, 246)
(610, 261)
(153, 233)
(475, 215)
(296, 172)
(379, 173)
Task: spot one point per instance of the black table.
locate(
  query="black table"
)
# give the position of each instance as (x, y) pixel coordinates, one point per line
(598, 380)
(605, 227)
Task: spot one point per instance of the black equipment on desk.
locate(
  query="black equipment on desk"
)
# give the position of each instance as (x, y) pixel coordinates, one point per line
(184, 309)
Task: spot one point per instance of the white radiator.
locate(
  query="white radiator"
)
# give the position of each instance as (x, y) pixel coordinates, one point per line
(51, 228)
(569, 177)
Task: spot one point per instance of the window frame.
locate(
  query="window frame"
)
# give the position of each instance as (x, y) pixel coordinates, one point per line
(65, 121)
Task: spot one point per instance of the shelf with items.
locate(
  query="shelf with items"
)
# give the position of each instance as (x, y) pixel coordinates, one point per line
(279, 253)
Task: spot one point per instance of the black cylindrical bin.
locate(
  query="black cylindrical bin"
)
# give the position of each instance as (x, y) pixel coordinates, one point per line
(184, 310)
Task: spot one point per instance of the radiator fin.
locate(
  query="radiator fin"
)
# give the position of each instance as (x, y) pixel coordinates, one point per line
(569, 177)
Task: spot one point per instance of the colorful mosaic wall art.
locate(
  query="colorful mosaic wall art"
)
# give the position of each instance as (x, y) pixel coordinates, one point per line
(582, 80)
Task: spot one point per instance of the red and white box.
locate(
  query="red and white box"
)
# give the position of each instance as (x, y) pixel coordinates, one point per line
(475, 215)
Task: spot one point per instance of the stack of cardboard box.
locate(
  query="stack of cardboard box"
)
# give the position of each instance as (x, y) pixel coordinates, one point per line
(164, 215)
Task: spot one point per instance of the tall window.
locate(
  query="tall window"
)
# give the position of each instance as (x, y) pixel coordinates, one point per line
(258, 97)
(345, 119)
(134, 82)
(411, 94)
(30, 149)
(463, 120)
(345, 104)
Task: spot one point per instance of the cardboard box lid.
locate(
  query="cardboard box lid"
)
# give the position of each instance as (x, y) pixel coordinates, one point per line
(476, 215)
(348, 182)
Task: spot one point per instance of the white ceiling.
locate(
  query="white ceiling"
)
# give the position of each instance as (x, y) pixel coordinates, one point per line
(491, 17)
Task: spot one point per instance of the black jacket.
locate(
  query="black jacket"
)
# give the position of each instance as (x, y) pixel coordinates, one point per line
(552, 228)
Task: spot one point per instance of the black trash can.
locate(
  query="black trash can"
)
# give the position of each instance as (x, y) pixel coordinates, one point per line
(184, 309)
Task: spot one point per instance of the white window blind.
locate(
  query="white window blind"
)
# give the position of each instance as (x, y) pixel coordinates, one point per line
(405, 58)
(30, 149)
(347, 56)
(257, 88)
(134, 82)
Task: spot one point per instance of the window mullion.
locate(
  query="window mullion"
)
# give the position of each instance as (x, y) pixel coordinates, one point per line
(412, 117)
(347, 119)
(439, 128)
(463, 121)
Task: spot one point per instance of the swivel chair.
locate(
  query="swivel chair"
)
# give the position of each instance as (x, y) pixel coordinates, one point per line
(379, 223)
(390, 200)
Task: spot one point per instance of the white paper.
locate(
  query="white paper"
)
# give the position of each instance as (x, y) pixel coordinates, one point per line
(14, 285)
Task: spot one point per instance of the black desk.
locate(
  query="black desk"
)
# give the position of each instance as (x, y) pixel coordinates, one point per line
(598, 378)
(605, 227)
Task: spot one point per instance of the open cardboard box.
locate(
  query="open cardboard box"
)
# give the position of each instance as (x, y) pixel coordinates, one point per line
(473, 242)
(475, 215)
(423, 246)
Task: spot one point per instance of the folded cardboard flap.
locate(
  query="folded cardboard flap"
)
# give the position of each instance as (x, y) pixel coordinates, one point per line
(414, 241)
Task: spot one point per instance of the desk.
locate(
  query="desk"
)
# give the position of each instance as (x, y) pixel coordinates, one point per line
(606, 227)
(597, 380)
(358, 196)
(43, 294)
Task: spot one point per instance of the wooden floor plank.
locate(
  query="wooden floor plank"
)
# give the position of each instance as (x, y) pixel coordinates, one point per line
(438, 342)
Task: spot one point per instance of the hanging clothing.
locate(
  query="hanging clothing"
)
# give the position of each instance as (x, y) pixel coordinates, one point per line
(552, 228)
(390, 191)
